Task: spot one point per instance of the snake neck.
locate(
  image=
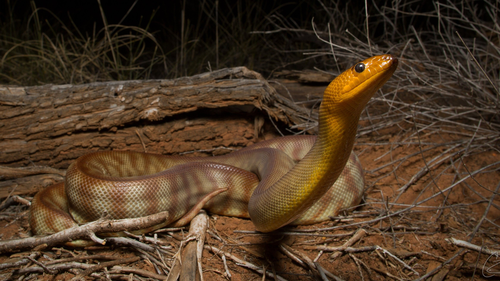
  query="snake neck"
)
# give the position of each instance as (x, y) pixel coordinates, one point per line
(330, 153)
(336, 135)
(335, 141)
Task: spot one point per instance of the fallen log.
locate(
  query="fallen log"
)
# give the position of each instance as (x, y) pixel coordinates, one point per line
(215, 112)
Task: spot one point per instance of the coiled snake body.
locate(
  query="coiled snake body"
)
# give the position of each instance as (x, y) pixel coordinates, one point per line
(297, 179)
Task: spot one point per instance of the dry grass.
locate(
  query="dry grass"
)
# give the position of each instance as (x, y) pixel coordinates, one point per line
(44, 52)
(438, 113)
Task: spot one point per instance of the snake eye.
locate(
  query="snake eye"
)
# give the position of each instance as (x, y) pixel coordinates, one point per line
(360, 67)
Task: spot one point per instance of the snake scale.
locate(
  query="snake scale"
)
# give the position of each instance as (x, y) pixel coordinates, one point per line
(288, 180)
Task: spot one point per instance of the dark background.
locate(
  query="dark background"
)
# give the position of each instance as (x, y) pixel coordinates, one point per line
(189, 52)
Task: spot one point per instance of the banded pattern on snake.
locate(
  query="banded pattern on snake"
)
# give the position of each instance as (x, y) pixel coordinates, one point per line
(295, 179)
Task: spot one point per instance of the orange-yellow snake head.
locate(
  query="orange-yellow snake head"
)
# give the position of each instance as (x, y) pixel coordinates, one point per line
(352, 89)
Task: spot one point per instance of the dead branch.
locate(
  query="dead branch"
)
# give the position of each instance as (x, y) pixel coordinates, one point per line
(14, 199)
(191, 256)
(95, 268)
(131, 243)
(243, 263)
(84, 232)
(357, 236)
(465, 244)
(145, 273)
(53, 268)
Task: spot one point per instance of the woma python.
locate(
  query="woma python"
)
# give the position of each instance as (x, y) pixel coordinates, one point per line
(295, 179)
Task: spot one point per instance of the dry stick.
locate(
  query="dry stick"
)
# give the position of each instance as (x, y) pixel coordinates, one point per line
(57, 268)
(331, 47)
(313, 266)
(482, 70)
(14, 217)
(478, 183)
(226, 268)
(433, 255)
(119, 269)
(291, 255)
(175, 270)
(142, 142)
(434, 146)
(274, 124)
(398, 260)
(492, 222)
(8, 196)
(368, 28)
(485, 213)
(149, 259)
(243, 263)
(64, 250)
(359, 266)
(177, 266)
(23, 261)
(149, 240)
(326, 272)
(170, 229)
(48, 270)
(425, 109)
(200, 226)
(14, 199)
(272, 268)
(348, 49)
(385, 273)
(362, 263)
(426, 164)
(358, 236)
(387, 263)
(91, 257)
(103, 265)
(432, 163)
(318, 256)
(391, 224)
(341, 248)
(127, 242)
(191, 258)
(471, 246)
(307, 260)
(164, 264)
(435, 270)
(322, 274)
(84, 231)
(217, 34)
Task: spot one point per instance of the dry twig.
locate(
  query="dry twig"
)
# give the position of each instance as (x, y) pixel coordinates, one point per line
(85, 231)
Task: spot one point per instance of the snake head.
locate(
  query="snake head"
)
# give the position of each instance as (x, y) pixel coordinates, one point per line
(352, 89)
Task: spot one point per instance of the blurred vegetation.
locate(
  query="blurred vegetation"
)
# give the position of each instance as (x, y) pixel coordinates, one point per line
(265, 36)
